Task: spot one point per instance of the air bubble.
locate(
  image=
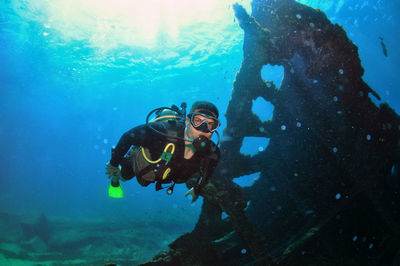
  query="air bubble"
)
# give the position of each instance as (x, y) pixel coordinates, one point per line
(269, 84)
(335, 149)
(371, 245)
(298, 124)
(361, 93)
(341, 87)
(283, 127)
(315, 81)
(338, 196)
(355, 238)
(309, 212)
(224, 171)
(339, 112)
(298, 16)
(341, 71)
(292, 70)
(368, 137)
(244, 251)
(335, 99)
(260, 149)
(105, 141)
(262, 129)
(312, 25)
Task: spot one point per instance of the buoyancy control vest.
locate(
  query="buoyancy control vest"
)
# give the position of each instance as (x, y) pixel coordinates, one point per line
(150, 171)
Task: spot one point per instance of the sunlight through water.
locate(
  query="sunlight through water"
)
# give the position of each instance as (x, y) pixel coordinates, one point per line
(106, 24)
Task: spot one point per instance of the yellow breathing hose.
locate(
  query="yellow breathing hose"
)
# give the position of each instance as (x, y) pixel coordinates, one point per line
(165, 150)
(166, 173)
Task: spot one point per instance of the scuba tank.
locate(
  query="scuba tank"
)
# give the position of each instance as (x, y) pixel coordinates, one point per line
(163, 113)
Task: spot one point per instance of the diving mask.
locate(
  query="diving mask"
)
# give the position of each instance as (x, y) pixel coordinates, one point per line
(204, 123)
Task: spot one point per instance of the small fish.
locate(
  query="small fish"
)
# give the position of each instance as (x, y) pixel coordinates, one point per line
(384, 50)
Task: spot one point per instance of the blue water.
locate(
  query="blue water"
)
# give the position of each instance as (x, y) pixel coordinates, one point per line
(72, 82)
(65, 102)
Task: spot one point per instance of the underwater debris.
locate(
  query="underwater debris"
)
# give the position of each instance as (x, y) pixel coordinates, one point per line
(329, 154)
(383, 45)
(40, 229)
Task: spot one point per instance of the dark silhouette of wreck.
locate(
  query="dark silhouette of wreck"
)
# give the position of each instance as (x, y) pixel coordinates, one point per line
(328, 186)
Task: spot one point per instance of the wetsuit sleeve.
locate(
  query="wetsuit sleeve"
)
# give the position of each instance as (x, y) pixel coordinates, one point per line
(134, 137)
(207, 170)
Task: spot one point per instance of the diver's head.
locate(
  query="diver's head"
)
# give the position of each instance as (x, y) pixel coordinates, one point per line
(205, 108)
(202, 120)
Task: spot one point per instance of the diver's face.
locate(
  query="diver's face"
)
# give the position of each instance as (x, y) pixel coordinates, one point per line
(193, 133)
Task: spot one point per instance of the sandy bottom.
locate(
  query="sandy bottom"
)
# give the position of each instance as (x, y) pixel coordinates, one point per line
(67, 241)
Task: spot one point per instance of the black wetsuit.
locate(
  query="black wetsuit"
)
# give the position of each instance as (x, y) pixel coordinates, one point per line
(181, 169)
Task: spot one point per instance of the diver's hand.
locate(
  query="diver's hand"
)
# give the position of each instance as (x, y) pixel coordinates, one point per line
(113, 171)
(194, 195)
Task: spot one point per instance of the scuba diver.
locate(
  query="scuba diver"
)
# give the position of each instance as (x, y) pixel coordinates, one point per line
(169, 149)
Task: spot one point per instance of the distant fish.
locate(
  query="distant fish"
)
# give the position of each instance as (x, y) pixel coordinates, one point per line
(384, 50)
